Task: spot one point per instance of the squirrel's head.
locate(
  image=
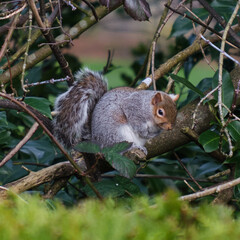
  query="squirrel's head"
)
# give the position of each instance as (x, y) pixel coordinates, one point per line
(164, 110)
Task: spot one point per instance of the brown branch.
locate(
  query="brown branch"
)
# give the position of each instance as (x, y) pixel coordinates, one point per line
(182, 56)
(92, 9)
(35, 179)
(220, 20)
(56, 187)
(45, 51)
(189, 174)
(211, 190)
(11, 105)
(160, 144)
(152, 176)
(22, 19)
(155, 146)
(198, 22)
(34, 37)
(20, 144)
(54, 47)
(8, 37)
(64, 152)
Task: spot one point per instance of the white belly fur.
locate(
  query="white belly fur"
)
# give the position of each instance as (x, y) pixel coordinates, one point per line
(130, 136)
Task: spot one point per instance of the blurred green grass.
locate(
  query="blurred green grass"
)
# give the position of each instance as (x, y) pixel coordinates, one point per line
(114, 77)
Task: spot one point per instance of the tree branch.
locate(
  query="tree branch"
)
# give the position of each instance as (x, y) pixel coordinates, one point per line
(35, 179)
(160, 144)
(45, 51)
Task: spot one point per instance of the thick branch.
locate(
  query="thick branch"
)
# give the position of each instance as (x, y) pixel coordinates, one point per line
(184, 54)
(169, 140)
(165, 142)
(35, 179)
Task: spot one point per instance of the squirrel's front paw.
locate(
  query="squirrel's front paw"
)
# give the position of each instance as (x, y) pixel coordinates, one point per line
(137, 154)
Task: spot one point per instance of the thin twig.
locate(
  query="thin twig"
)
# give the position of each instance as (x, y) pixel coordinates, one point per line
(170, 80)
(189, 186)
(220, 106)
(220, 174)
(92, 9)
(218, 49)
(150, 176)
(189, 174)
(198, 105)
(26, 52)
(20, 144)
(49, 37)
(220, 20)
(13, 12)
(64, 152)
(211, 190)
(163, 20)
(34, 37)
(51, 81)
(8, 37)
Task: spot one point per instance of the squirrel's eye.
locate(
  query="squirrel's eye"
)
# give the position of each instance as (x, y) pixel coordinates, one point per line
(160, 112)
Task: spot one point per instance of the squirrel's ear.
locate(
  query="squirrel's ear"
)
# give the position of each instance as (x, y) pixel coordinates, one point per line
(157, 98)
(174, 97)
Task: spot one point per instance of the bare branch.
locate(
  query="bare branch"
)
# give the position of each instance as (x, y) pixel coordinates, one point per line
(20, 144)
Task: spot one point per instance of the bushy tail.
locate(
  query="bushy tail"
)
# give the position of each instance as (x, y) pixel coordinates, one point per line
(74, 108)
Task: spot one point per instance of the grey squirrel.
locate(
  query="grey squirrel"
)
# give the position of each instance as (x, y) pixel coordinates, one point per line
(88, 112)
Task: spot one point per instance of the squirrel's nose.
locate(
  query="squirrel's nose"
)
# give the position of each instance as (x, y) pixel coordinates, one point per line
(167, 126)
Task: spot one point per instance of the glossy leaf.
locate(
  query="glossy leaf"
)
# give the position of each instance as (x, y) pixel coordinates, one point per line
(122, 164)
(118, 147)
(41, 150)
(5, 137)
(137, 9)
(187, 84)
(116, 187)
(3, 120)
(183, 25)
(227, 90)
(234, 130)
(209, 140)
(234, 159)
(106, 188)
(203, 86)
(41, 104)
(88, 147)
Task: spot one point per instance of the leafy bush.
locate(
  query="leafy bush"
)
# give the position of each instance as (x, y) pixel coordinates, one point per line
(160, 218)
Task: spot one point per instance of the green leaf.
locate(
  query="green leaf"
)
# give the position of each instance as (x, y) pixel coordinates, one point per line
(88, 147)
(187, 84)
(234, 159)
(227, 89)
(106, 188)
(203, 86)
(127, 184)
(124, 165)
(5, 137)
(41, 104)
(234, 130)
(209, 141)
(3, 120)
(118, 147)
(183, 25)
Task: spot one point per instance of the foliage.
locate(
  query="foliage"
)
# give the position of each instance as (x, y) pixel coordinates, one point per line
(113, 156)
(162, 172)
(140, 218)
